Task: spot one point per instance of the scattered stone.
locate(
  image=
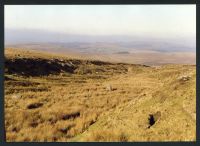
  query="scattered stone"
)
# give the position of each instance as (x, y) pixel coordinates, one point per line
(16, 96)
(70, 64)
(109, 87)
(184, 78)
(62, 64)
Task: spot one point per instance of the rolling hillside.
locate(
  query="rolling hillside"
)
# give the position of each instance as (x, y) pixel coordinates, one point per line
(52, 97)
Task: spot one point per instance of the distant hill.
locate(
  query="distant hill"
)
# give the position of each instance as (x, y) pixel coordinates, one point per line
(113, 52)
(127, 49)
(123, 52)
(127, 43)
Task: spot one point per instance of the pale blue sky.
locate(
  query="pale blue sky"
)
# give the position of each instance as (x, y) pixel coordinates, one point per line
(141, 20)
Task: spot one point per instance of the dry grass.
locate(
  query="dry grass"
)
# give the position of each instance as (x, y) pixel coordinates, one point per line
(78, 106)
(107, 136)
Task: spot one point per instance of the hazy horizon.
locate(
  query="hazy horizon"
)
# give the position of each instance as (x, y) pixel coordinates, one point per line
(145, 25)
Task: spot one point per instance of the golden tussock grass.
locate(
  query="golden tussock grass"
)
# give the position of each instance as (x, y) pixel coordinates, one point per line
(97, 101)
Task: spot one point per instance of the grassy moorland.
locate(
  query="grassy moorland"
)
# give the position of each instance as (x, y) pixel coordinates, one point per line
(50, 97)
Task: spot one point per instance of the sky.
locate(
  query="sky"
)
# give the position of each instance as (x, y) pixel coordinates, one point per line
(130, 20)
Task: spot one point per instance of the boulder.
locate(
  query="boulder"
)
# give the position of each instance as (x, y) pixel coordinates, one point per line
(109, 87)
